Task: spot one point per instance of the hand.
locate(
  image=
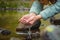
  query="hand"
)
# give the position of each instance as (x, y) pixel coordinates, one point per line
(24, 18)
(30, 19)
(33, 19)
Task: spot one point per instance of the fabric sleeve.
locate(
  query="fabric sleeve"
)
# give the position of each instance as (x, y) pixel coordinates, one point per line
(50, 11)
(36, 7)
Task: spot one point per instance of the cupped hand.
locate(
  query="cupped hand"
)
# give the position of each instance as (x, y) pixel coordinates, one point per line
(30, 19)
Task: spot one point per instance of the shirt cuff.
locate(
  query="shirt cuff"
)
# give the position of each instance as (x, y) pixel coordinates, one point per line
(44, 16)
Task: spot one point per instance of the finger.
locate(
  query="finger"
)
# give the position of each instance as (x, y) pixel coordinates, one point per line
(23, 21)
(30, 19)
(31, 23)
(23, 18)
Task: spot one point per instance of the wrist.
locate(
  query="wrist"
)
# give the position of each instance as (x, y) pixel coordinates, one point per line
(39, 17)
(33, 14)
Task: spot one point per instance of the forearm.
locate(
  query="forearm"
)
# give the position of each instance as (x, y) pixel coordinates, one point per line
(36, 7)
(50, 11)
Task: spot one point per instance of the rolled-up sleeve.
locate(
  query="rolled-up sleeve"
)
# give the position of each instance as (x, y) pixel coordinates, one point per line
(36, 7)
(50, 11)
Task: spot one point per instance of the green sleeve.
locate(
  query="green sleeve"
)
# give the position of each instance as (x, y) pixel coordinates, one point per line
(51, 11)
(36, 7)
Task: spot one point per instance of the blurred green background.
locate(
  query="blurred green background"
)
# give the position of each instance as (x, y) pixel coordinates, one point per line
(9, 18)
